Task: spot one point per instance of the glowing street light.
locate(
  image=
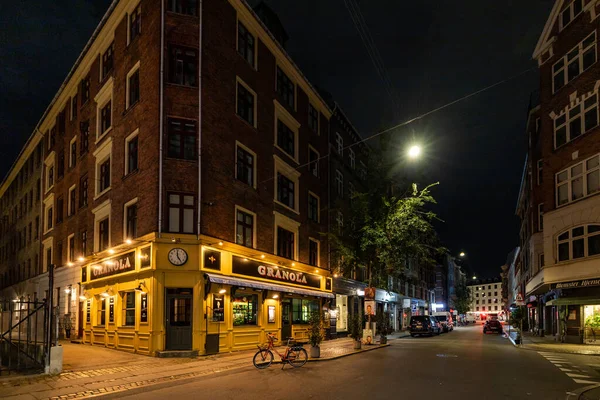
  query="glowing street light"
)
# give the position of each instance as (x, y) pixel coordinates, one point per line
(474, 277)
(414, 151)
(462, 254)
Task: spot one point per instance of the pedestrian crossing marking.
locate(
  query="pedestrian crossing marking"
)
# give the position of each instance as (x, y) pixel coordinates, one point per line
(565, 369)
(584, 381)
(574, 372)
(578, 375)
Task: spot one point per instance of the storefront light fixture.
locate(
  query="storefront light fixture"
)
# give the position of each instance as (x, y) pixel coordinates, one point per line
(262, 256)
(81, 259)
(245, 259)
(293, 264)
(141, 287)
(68, 290)
(70, 264)
(360, 292)
(104, 294)
(220, 243)
(275, 296)
(128, 241)
(111, 251)
(317, 271)
(222, 291)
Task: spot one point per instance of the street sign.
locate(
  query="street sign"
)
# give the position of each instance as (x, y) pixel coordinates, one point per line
(519, 299)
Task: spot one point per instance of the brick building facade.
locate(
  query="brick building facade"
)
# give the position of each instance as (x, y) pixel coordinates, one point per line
(558, 200)
(176, 182)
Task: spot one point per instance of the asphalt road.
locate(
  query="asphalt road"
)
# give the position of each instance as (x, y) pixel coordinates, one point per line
(463, 364)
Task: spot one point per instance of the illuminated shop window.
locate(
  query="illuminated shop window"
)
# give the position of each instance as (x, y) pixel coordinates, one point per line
(245, 307)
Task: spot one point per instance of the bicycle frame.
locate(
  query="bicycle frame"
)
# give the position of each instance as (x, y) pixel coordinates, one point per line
(271, 347)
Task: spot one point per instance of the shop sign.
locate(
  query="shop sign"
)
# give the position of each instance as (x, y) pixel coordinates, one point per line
(405, 303)
(575, 284)
(218, 308)
(114, 266)
(244, 266)
(212, 259)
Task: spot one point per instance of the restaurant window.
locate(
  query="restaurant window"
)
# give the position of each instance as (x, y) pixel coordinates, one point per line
(285, 88)
(245, 45)
(101, 317)
(579, 242)
(244, 166)
(183, 66)
(181, 213)
(128, 309)
(285, 243)
(245, 308)
(302, 309)
(244, 228)
(182, 139)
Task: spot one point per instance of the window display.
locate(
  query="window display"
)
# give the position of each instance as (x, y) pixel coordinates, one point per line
(245, 307)
(341, 302)
(301, 310)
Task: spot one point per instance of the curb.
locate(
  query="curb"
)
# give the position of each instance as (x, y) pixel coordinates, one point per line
(362, 350)
(557, 351)
(579, 394)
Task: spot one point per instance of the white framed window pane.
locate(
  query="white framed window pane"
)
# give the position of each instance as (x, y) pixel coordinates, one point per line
(577, 188)
(174, 219)
(174, 198)
(563, 176)
(577, 170)
(593, 181)
(188, 221)
(563, 194)
(592, 162)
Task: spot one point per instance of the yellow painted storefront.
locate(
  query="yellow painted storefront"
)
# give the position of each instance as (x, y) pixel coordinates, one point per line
(222, 297)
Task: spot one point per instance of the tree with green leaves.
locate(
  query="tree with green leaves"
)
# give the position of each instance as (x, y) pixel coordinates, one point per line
(463, 300)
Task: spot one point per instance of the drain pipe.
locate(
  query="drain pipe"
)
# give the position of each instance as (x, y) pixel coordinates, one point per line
(199, 227)
(160, 115)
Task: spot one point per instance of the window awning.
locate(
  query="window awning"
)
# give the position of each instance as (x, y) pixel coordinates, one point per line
(235, 281)
(569, 301)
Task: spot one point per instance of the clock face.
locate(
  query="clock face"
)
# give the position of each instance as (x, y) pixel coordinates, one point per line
(178, 256)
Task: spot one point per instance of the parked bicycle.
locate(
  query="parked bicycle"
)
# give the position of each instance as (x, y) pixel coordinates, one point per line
(294, 355)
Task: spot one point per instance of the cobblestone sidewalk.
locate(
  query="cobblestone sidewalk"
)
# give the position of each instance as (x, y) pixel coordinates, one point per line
(134, 371)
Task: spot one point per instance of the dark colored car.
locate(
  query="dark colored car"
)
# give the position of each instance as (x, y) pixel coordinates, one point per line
(424, 325)
(493, 326)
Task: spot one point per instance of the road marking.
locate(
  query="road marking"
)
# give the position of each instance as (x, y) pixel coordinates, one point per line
(565, 369)
(577, 375)
(584, 381)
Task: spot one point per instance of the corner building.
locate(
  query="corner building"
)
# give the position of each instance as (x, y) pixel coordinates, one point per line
(563, 178)
(175, 182)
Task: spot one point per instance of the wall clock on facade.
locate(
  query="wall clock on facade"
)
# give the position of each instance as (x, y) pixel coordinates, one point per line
(178, 256)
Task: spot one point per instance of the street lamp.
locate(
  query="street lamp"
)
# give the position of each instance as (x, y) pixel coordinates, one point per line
(462, 254)
(474, 277)
(414, 151)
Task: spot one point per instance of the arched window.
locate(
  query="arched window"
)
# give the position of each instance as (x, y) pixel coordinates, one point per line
(582, 241)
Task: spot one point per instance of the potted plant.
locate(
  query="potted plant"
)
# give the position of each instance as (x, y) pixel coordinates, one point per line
(315, 335)
(355, 330)
(383, 323)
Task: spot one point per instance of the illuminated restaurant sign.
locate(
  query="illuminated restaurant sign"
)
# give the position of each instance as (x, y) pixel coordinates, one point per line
(244, 266)
(113, 266)
(576, 284)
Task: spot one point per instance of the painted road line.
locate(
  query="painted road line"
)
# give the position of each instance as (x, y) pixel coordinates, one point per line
(570, 375)
(584, 381)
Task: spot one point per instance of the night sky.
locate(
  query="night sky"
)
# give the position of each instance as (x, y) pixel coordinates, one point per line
(434, 52)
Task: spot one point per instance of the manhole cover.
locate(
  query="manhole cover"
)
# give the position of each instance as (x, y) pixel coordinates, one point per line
(447, 355)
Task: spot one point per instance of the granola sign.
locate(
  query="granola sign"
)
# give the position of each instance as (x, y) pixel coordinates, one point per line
(113, 266)
(244, 266)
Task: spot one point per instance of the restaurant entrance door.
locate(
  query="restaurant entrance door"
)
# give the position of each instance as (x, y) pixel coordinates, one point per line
(179, 319)
(286, 319)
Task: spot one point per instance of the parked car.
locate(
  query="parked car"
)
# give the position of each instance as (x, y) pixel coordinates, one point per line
(445, 319)
(492, 325)
(424, 325)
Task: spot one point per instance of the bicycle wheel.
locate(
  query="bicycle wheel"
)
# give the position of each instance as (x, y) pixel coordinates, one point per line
(262, 359)
(297, 357)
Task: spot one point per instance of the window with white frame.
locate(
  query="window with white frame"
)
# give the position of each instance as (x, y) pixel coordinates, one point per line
(540, 217)
(73, 152)
(128, 304)
(49, 213)
(578, 181)
(103, 167)
(132, 152)
(246, 102)
(286, 236)
(352, 158)
(245, 165)
(287, 182)
(313, 161)
(246, 44)
(540, 166)
(580, 58)
(102, 214)
(576, 120)
(244, 227)
(579, 242)
(71, 202)
(339, 182)
(339, 144)
(107, 60)
(132, 90)
(104, 110)
(570, 13)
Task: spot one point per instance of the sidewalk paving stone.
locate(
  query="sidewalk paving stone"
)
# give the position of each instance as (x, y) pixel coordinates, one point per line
(550, 344)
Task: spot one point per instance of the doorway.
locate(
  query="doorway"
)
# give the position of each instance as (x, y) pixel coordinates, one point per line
(286, 319)
(80, 320)
(179, 319)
